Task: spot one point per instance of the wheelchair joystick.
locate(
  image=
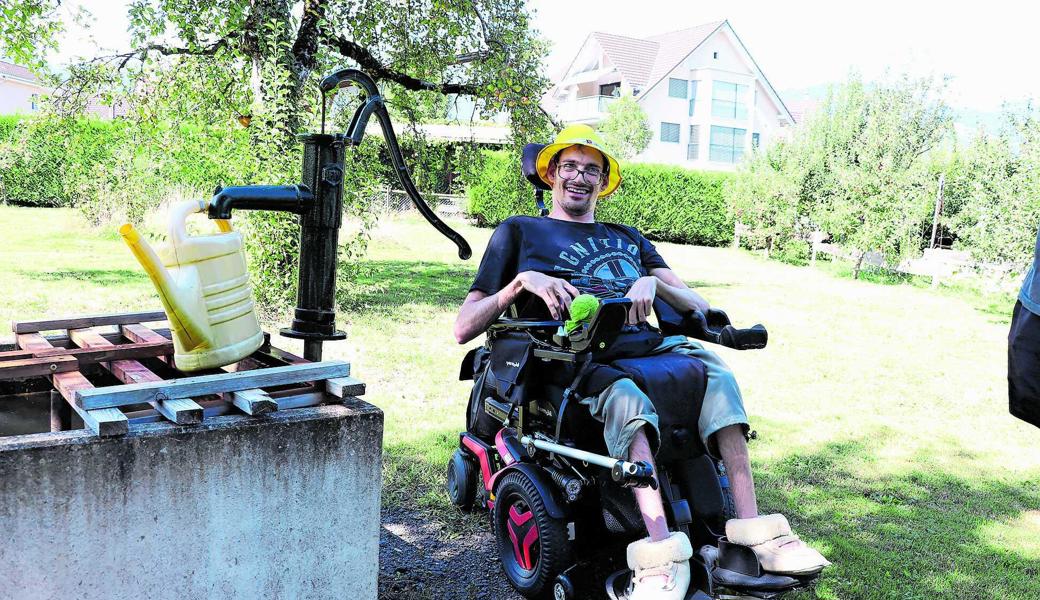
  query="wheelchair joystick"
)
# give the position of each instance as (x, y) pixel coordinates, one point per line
(637, 474)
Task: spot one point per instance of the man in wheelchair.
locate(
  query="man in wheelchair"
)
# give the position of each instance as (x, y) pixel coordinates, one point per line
(538, 265)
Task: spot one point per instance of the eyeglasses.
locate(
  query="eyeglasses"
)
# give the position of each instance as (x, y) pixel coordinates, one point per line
(592, 174)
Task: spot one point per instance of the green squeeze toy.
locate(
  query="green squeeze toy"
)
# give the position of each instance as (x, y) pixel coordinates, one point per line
(582, 309)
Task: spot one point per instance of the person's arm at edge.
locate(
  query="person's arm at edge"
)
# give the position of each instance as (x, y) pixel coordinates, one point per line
(676, 293)
(479, 310)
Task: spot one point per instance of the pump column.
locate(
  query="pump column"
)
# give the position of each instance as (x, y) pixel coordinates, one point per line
(315, 317)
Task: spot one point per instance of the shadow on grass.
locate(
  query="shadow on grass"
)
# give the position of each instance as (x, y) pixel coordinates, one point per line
(920, 534)
(99, 276)
(384, 285)
(915, 535)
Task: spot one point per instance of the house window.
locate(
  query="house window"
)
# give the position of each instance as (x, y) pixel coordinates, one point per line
(670, 133)
(693, 149)
(726, 144)
(693, 95)
(715, 55)
(755, 141)
(34, 101)
(610, 89)
(677, 88)
(727, 100)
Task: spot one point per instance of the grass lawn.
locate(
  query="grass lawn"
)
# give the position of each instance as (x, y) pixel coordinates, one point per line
(881, 410)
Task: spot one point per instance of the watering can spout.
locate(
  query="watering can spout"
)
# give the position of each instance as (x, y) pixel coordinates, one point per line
(186, 314)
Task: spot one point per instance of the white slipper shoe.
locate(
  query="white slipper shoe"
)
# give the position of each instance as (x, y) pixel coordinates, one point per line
(661, 570)
(775, 545)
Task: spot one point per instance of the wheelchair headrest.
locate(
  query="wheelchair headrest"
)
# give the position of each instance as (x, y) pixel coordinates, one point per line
(528, 166)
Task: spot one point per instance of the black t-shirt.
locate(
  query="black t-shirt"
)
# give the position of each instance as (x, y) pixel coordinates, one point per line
(603, 259)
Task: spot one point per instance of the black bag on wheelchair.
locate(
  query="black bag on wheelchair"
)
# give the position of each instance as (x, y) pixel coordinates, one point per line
(497, 374)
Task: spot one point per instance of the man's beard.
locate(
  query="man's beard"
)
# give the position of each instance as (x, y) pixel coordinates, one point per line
(577, 207)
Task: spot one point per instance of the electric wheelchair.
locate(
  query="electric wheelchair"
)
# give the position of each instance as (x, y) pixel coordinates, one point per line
(536, 460)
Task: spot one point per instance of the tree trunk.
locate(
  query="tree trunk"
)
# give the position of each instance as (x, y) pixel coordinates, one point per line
(859, 265)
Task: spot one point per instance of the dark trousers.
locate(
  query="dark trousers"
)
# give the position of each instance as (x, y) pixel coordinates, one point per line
(1024, 365)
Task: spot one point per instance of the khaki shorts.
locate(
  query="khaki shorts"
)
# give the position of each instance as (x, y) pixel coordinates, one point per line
(623, 408)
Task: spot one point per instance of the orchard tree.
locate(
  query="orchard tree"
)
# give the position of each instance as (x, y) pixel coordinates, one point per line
(210, 61)
(999, 181)
(763, 195)
(876, 141)
(626, 130)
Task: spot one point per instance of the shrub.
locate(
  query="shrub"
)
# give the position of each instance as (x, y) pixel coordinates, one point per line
(495, 189)
(663, 202)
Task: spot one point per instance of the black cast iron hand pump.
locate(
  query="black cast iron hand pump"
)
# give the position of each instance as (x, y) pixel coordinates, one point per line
(318, 199)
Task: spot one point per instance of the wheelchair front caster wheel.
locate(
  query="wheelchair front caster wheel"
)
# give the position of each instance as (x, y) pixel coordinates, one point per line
(563, 589)
(460, 480)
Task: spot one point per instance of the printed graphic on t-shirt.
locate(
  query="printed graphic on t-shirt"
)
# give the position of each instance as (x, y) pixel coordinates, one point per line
(605, 267)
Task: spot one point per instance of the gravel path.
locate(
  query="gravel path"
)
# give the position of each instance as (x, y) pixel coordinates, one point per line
(421, 559)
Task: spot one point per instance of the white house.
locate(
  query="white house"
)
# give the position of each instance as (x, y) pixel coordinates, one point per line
(20, 90)
(708, 102)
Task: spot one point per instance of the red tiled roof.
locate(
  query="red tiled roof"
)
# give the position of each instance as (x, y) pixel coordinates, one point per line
(632, 56)
(677, 45)
(17, 71)
(644, 62)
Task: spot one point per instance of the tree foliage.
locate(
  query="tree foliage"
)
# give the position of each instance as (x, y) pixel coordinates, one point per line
(626, 130)
(207, 62)
(857, 169)
(993, 193)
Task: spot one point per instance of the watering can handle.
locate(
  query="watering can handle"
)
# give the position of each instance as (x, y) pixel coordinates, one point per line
(179, 214)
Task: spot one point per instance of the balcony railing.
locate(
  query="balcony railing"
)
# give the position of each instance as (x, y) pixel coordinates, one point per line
(589, 108)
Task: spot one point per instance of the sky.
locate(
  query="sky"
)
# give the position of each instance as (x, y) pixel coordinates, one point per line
(987, 49)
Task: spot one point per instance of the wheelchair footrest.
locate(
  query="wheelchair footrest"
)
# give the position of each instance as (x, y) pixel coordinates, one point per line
(617, 587)
(735, 567)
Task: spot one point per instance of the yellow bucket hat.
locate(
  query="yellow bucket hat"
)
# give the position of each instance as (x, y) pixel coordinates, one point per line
(579, 135)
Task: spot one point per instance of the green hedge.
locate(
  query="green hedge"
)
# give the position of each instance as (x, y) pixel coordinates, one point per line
(664, 202)
(113, 168)
(40, 157)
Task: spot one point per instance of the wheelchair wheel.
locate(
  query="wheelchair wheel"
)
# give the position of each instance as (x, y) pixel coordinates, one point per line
(460, 480)
(532, 545)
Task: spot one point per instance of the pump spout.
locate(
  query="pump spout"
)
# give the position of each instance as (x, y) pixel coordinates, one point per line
(185, 313)
(286, 198)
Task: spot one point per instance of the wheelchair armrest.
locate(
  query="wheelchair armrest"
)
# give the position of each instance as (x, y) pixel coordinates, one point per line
(715, 327)
(507, 324)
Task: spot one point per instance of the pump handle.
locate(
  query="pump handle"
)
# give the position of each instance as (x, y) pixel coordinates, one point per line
(356, 130)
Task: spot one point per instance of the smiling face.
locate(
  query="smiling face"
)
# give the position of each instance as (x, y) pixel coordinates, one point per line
(574, 199)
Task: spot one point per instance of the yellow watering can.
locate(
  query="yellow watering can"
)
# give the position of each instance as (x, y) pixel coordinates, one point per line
(204, 287)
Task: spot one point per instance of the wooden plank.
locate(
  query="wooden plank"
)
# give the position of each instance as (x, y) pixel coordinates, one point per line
(182, 411)
(344, 386)
(89, 356)
(61, 413)
(87, 321)
(37, 367)
(61, 340)
(218, 408)
(254, 402)
(15, 354)
(141, 334)
(282, 356)
(104, 422)
(210, 384)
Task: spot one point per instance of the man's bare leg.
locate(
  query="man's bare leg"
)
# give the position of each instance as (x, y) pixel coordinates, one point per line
(734, 451)
(651, 505)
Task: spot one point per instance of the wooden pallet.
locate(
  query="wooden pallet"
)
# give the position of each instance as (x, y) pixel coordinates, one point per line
(268, 380)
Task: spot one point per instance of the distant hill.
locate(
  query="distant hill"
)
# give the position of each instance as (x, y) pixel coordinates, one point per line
(966, 121)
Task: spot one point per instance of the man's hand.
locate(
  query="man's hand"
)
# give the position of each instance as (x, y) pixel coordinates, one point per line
(642, 294)
(556, 293)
